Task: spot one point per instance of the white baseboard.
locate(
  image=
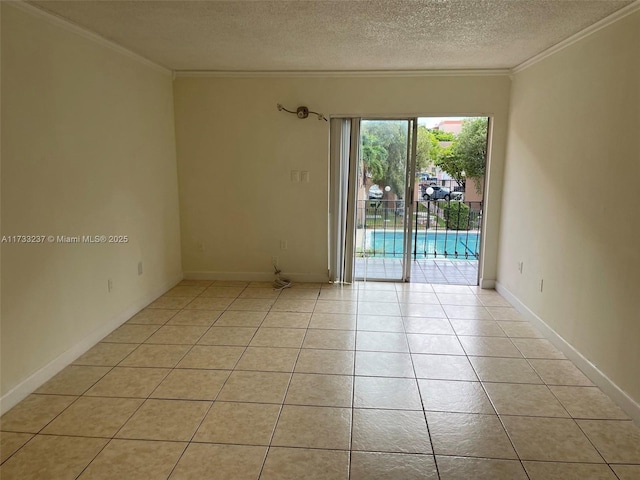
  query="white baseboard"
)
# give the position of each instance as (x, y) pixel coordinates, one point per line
(41, 376)
(619, 396)
(256, 276)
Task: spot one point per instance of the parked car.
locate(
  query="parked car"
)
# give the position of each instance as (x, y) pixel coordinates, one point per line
(375, 192)
(439, 193)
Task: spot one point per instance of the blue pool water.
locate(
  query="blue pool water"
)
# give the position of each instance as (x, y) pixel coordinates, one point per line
(442, 244)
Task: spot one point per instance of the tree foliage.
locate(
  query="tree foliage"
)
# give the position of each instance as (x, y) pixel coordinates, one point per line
(373, 156)
(456, 215)
(452, 163)
(466, 156)
(443, 136)
(471, 146)
(427, 148)
(383, 152)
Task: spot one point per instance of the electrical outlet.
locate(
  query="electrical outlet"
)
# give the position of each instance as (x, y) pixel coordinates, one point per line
(109, 285)
(295, 175)
(520, 265)
(283, 245)
(304, 176)
(139, 268)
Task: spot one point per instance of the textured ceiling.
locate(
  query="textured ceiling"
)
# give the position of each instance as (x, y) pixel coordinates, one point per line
(335, 35)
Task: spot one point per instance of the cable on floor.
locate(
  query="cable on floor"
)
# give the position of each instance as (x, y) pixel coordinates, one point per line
(280, 283)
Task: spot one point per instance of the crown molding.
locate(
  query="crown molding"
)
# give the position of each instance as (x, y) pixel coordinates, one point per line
(605, 22)
(82, 32)
(343, 73)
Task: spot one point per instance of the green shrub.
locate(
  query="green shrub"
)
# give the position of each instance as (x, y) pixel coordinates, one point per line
(456, 215)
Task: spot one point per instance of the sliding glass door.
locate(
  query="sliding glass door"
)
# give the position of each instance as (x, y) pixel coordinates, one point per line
(372, 171)
(389, 216)
(384, 199)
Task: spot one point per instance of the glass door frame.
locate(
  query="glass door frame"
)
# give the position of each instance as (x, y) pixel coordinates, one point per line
(409, 187)
(412, 146)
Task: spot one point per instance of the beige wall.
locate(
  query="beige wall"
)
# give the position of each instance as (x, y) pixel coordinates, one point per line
(236, 151)
(573, 140)
(87, 148)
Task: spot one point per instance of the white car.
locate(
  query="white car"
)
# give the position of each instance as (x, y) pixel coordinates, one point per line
(375, 192)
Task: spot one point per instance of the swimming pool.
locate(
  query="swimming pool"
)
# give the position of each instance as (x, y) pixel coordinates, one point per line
(449, 244)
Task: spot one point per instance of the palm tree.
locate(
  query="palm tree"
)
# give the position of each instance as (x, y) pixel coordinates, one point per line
(373, 157)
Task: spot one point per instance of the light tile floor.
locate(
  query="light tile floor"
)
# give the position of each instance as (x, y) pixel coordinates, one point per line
(234, 381)
(440, 271)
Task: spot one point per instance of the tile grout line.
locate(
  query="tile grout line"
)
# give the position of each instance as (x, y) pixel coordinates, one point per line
(353, 384)
(171, 369)
(486, 393)
(225, 381)
(504, 428)
(111, 368)
(284, 397)
(109, 440)
(78, 397)
(113, 437)
(424, 412)
(570, 416)
(282, 403)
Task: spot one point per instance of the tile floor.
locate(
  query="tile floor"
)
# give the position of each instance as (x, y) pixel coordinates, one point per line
(440, 271)
(224, 380)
